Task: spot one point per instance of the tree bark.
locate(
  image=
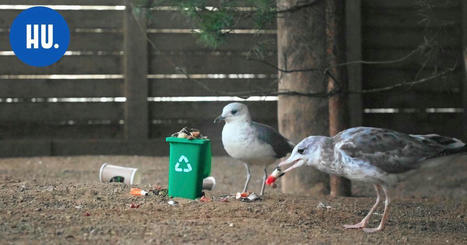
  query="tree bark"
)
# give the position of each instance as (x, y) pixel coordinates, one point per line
(338, 110)
(301, 45)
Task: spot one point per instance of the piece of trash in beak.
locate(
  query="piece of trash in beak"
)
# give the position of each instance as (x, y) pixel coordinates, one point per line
(277, 173)
(138, 192)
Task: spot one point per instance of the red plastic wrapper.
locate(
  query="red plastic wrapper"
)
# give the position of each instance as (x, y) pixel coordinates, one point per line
(270, 180)
(204, 199)
(134, 205)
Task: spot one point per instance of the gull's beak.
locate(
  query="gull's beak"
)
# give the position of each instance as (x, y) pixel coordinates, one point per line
(218, 119)
(294, 161)
(277, 173)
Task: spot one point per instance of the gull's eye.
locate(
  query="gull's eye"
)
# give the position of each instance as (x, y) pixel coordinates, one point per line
(234, 112)
(300, 151)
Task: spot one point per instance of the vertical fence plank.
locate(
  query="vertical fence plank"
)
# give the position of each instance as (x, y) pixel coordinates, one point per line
(353, 20)
(135, 70)
(464, 51)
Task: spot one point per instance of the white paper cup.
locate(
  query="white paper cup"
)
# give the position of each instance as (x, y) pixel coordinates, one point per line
(209, 183)
(113, 173)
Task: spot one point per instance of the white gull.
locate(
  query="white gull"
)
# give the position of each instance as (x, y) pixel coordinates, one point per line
(251, 142)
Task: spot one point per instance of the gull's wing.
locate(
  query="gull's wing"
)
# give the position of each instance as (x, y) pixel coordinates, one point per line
(269, 135)
(388, 150)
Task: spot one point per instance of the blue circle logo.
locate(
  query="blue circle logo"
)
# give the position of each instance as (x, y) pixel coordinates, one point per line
(39, 36)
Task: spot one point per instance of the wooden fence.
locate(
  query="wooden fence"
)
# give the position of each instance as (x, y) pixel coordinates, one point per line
(122, 87)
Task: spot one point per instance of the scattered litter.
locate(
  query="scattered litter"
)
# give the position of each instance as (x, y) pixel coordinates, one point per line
(87, 214)
(241, 195)
(253, 197)
(113, 173)
(204, 198)
(78, 207)
(322, 206)
(159, 191)
(172, 203)
(189, 133)
(277, 173)
(134, 205)
(209, 183)
(231, 225)
(224, 199)
(138, 192)
(247, 196)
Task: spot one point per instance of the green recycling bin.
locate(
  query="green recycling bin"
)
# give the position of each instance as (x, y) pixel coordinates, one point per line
(189, 164)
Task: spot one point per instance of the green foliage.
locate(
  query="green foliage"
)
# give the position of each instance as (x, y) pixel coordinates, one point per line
(265, 12)
(216, 19)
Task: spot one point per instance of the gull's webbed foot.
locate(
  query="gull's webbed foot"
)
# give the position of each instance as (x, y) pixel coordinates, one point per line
(371, 230)
(356, 226)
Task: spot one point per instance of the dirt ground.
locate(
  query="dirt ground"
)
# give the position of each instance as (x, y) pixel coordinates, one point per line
(57, 200)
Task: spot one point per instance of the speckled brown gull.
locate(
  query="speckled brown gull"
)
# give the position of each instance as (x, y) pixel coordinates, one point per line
(378, 156)
(251, 142)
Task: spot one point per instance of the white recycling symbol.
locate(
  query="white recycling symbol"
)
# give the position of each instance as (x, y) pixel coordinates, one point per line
(188, 165)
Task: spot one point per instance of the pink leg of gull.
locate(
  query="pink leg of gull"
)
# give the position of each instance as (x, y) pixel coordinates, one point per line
(385, 215)
(364, 222)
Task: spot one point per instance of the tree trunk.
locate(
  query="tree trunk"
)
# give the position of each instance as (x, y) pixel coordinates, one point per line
(338, 110)
(302, 44)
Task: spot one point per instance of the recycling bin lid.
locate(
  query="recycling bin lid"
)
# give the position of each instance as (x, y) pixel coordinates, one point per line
(183, 140)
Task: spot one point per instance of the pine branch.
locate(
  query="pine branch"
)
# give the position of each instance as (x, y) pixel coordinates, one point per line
(406, 84)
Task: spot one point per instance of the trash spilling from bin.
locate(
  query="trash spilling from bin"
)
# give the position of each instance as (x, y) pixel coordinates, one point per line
(189, 169)
(189, 133)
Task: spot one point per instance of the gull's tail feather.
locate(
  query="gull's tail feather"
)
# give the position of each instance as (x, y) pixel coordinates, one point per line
(451, 151)
(452, 145)
(449, 145)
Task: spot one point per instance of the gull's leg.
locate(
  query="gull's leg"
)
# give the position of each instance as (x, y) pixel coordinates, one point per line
(365, 220)
(265, 176)
(385, 214)
(248, 176)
